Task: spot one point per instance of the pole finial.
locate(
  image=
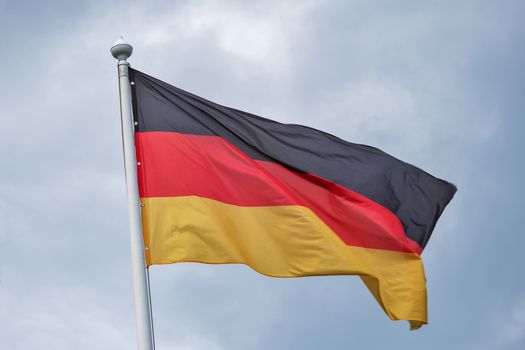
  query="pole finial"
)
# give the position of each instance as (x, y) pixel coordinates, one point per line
(121, 50)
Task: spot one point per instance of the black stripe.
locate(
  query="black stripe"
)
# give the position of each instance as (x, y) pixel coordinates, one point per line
(414, 196)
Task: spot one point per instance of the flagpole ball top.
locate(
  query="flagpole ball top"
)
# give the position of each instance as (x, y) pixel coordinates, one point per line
(121, 50)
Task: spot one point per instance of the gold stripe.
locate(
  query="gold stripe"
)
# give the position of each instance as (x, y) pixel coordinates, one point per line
(279, 241)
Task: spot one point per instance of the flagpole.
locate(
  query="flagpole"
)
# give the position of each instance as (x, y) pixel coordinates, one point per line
(121, 50)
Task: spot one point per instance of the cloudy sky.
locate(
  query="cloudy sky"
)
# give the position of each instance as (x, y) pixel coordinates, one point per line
(437, 84)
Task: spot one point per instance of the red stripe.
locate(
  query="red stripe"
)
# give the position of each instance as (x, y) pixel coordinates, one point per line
(173, 164)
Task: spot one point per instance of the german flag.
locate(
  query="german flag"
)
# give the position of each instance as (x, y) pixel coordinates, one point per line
(219, 185)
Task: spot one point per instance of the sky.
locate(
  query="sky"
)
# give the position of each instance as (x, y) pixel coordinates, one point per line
(436, 84)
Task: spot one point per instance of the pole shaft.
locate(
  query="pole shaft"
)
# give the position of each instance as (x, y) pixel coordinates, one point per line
(139, 269)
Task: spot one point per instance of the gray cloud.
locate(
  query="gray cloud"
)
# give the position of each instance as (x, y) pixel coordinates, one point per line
(437, 85)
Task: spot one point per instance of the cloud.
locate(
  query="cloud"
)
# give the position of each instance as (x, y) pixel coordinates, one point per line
(259, 35)
(436, 85)
(512, 328)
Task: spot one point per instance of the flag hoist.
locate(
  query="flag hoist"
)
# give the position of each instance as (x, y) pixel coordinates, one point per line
(121, 50)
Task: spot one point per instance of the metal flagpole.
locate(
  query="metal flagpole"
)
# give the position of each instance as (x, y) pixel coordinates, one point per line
(121, 50)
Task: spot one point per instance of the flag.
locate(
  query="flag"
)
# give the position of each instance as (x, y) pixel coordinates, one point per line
(219, 185)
